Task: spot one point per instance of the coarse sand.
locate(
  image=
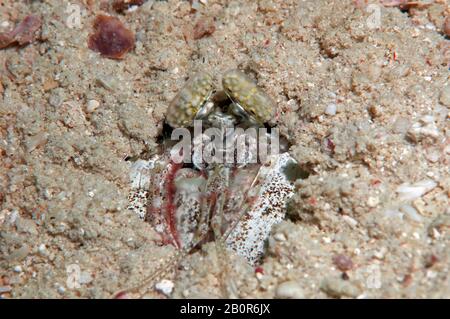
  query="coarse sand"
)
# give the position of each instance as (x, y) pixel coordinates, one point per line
(363, 96)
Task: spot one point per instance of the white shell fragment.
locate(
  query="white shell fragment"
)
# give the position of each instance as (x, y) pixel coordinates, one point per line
(411, 212)
(410, 192)
(289, 290)
(426, 127)
(165, 286)
(248, 236)
(331, 109)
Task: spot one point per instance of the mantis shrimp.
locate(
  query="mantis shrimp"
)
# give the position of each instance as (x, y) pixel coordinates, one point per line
(233, 203)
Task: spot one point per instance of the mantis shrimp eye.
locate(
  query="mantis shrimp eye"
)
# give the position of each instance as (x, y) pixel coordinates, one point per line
(189, 102)
(248, 96)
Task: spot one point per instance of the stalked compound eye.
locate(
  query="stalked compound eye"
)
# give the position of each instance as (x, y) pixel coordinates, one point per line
(248, 96)
(189, 102)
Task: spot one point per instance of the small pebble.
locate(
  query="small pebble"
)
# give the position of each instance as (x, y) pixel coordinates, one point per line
(55, 99)
(12, 217)
(165, 286)
(85, 278)
(430, 26)
(372, 201)
(349, 220)
(444, 98)
(446, 26)
(427, 119)
(432, 155)
(411, 212)
(17, 269)
(342, 262)
(431, 260)
(331, 109)
(121, 295)
(19, 253)
(195, 5)
(379, 254)
(337, 288)
(289, 290)
(26, 226)
(293, 105)
(279, 237)
(374, 111)
(92, 105)
(422, 129)
(203, 28)
(401, 125)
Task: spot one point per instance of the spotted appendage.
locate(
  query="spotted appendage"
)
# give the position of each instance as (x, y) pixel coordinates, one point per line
(185, 106)
(244, 92)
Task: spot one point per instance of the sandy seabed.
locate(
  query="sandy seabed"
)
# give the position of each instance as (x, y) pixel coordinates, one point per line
(365, 108)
